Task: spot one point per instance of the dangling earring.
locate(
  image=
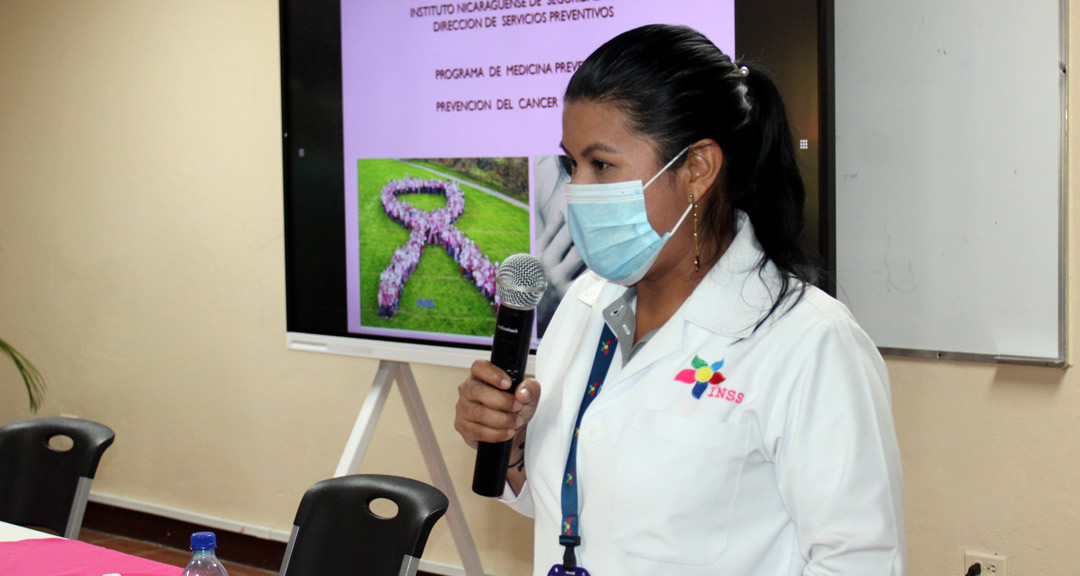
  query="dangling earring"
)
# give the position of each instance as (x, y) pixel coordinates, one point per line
(697, 250)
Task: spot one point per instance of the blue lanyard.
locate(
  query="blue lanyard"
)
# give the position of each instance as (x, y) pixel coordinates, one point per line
(570, 531)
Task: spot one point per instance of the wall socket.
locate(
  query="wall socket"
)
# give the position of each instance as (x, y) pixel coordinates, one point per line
(992, 564)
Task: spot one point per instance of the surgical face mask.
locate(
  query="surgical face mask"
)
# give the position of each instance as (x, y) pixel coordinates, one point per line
(610, 227)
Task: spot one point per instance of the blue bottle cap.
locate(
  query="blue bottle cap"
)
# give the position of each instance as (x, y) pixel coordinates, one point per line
(203, 541)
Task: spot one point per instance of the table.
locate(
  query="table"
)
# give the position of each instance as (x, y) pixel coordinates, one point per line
(13, 532)
(26, 552)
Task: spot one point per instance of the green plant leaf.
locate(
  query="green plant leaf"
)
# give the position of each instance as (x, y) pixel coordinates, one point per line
(35, 382)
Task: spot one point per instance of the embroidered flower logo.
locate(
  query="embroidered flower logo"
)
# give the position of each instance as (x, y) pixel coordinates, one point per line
(606, 347)
(701, 375)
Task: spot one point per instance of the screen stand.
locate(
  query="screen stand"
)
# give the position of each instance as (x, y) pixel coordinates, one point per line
(388, 372)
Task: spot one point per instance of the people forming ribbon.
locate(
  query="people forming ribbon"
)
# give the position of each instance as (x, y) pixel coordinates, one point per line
(429, 227)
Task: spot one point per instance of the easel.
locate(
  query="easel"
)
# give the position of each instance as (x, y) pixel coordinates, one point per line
(388, 372)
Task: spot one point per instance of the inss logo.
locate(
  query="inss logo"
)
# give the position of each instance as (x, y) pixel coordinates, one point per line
(428, 303)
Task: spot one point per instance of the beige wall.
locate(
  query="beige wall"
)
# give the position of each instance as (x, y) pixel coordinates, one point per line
(141, 267)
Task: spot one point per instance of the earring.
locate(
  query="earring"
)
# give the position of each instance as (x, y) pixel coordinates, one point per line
(697, 249)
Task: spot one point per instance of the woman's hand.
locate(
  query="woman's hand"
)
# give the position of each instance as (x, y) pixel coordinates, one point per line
(486, 411)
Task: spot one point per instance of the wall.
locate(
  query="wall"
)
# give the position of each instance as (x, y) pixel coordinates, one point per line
(141, 267)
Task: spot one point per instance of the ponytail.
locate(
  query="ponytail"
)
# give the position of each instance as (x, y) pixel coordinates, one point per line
(763, 180)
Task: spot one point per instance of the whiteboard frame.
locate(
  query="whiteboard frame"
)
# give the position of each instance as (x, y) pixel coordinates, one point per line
(1062, 359)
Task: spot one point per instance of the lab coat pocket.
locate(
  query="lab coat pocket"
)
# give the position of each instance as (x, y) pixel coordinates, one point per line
(677, 486)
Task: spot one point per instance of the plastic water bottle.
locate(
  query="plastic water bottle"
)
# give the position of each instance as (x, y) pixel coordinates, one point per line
(204, 561)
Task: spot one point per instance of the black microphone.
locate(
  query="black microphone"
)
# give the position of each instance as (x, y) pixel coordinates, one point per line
(520, 283)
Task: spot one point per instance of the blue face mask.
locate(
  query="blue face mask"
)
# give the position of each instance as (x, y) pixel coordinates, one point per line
(610, 227)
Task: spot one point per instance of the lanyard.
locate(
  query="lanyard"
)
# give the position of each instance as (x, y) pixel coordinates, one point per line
(570, 532)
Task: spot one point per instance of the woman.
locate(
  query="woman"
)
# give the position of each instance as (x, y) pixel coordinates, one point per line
(699, 406)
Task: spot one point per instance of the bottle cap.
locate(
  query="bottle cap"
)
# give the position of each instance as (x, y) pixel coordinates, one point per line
(203, 541)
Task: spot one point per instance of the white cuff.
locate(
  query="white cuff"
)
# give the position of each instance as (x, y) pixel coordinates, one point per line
(521, 502)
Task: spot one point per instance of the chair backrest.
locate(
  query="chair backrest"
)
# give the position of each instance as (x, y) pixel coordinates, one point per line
(336, 531)
(44, 486)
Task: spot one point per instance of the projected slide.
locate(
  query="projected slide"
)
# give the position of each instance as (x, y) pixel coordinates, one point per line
(431, 232)
(452, 116)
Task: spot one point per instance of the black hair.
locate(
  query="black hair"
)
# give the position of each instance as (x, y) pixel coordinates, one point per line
(676, 88)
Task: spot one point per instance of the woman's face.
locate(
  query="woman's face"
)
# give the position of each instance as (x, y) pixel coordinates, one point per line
(602, 148)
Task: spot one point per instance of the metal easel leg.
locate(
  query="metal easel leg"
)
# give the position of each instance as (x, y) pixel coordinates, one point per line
(429, 447)
(366, 419)
(440, 475)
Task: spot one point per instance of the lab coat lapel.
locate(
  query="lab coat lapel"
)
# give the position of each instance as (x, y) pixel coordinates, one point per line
(580, 355)
(730, 301)
(669, 340)
(737, 293)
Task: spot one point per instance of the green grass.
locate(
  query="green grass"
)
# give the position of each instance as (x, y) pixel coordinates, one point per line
(498, 228)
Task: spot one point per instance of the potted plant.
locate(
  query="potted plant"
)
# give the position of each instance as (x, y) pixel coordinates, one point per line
(35, 383)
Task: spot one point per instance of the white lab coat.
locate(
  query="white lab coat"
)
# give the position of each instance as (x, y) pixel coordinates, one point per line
(789, 466)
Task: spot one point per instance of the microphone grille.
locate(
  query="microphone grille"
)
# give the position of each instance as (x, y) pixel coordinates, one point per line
(520, 282)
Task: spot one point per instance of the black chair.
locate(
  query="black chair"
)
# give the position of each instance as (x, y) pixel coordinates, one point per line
(45, 486)
(336, 531)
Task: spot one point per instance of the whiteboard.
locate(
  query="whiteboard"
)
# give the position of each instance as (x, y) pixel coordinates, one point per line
(950, 156)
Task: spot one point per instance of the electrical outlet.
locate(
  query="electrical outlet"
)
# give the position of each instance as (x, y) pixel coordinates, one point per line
(992, 564)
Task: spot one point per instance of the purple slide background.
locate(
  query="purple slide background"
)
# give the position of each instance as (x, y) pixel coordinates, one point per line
(389, 60)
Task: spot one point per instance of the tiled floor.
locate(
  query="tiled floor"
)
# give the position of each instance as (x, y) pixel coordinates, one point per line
(159, 553)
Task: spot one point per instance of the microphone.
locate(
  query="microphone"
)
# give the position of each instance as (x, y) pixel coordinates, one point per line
(520, 283)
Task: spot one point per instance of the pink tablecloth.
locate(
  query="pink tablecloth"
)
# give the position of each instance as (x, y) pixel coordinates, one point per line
(62, 557)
